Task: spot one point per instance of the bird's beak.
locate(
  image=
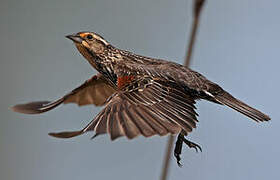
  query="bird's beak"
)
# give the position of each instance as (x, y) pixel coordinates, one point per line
(75, 38)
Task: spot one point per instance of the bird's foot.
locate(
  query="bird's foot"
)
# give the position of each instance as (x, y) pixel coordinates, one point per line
(179, 145)
(192, 145)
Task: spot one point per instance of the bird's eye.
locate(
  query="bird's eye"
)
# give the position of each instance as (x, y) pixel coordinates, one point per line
(89, 36)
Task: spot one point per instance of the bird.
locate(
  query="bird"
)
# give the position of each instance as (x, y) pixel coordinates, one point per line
(141, 95)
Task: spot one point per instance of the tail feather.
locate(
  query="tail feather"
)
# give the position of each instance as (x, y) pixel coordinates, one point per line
(228, 100)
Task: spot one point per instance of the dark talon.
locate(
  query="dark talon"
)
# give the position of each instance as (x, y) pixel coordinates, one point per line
(179, 145)
(178, 159)
(192, 145)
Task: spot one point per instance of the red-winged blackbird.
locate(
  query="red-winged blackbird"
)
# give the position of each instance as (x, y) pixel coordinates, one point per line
(141, 95)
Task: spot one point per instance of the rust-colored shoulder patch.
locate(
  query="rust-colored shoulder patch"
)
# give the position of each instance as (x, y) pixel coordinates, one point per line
(124, 80)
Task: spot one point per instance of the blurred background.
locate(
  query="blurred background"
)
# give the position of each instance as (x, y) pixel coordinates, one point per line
(237, 47)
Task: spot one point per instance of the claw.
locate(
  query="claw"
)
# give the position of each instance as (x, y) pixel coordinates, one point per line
(179, 146)
(178, 159)
(192, 145)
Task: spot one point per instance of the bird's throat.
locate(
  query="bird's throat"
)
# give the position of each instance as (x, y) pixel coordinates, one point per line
(87, 54)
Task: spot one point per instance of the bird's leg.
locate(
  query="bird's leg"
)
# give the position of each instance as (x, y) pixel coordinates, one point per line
(179, 145)
(178, 148)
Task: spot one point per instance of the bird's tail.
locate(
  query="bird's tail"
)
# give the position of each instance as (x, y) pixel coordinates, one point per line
(226, 99)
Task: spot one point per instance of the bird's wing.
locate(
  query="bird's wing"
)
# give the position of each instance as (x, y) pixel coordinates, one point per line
(94, 91)
(145, 107)
(195, 83)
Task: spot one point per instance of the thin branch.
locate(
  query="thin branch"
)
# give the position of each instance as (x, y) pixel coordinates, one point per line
(169, 146)
(198, 5)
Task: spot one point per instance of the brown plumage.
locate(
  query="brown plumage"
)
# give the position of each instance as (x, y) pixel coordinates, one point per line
(142, 95)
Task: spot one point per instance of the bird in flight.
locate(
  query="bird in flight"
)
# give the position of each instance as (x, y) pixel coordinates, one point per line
(141, 95)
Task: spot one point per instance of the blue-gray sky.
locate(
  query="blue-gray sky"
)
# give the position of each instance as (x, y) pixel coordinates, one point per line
(237, 47)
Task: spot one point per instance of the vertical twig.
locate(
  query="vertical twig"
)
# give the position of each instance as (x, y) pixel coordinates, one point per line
(198, 4)
(197, 7)
(166, 162)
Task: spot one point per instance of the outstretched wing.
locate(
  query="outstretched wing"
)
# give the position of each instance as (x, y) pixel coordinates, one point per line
(94, 91)
(146, 107)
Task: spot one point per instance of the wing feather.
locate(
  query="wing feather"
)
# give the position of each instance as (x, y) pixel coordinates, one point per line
(114, 127)
(148, 107)
(131, 130)
(175, 118)
(94, 91)
(183, 116)
(168, 124)
(101, 126)
(145, 129)
(150, 118)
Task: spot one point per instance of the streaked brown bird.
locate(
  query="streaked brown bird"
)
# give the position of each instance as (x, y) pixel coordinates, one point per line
(141, 95)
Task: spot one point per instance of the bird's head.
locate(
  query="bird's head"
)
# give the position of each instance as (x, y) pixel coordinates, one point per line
(90, 45)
